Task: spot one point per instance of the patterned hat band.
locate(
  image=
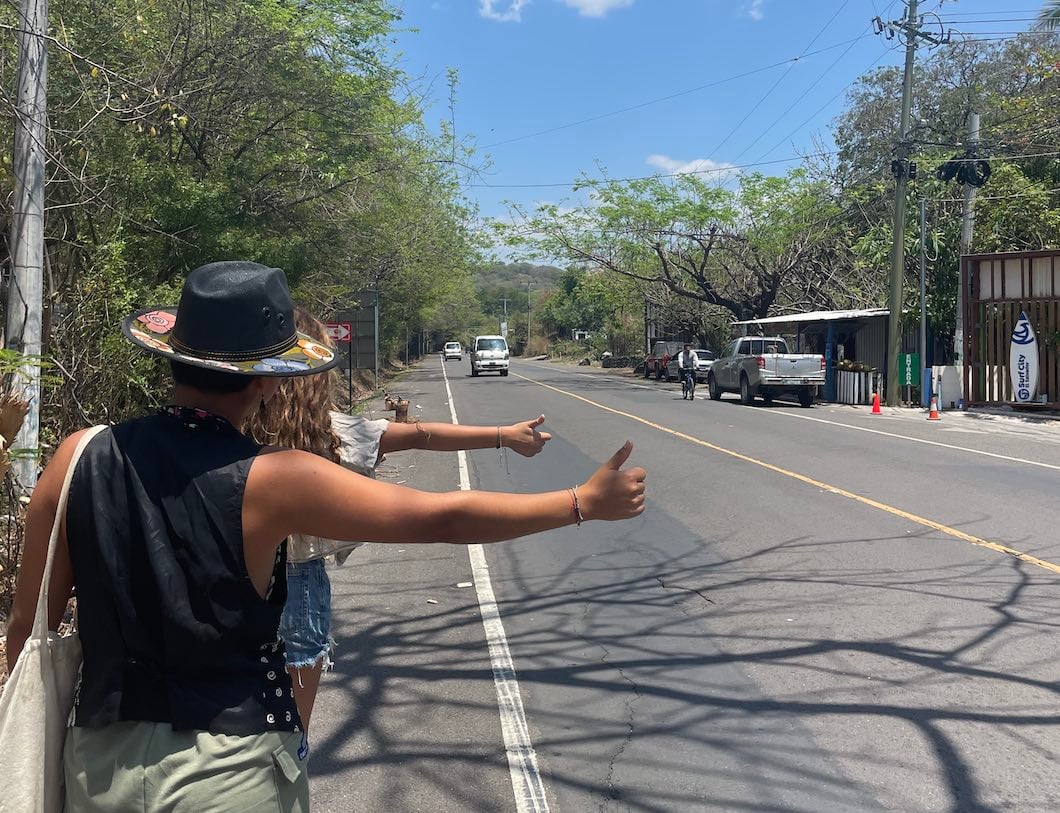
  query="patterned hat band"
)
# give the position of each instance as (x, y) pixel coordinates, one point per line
(241, 355)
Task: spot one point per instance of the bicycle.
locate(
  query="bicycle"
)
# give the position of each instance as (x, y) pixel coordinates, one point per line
(688, 385)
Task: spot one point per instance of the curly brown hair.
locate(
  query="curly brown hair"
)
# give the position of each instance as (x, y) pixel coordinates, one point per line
(298, 416)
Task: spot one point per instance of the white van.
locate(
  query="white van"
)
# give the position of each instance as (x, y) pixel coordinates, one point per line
(452, 350)
(489, 354)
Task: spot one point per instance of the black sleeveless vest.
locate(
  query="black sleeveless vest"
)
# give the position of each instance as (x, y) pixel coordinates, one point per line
(172, 628)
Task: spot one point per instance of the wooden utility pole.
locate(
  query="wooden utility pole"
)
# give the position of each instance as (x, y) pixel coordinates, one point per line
(903, 170)
(25, 293)
(924, 378)
(894, 298)
(967, 230)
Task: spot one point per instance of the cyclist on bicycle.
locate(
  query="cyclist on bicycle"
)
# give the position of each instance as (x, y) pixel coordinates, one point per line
(686, 366)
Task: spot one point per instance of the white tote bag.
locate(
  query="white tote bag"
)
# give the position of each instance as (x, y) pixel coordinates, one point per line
(36, 703)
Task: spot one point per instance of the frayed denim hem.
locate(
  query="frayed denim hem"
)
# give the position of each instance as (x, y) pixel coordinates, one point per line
(323, 659)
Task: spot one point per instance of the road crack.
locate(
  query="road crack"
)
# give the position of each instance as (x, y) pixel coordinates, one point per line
(666, 586)
(613, 793)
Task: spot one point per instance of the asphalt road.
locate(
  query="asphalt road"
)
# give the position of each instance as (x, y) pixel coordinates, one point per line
(805, 618)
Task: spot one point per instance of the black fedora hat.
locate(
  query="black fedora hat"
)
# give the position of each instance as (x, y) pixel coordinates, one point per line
(233, 316)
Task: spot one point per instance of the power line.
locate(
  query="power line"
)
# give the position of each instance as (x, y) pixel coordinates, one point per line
(989, 13)
(1018, 116)
(947, 20)
(734, 168)
(1055, 151)
(1027, 194)
(987, 36)
(727, 168)
(1014, 34)
(671, 96)
(842, 211)
(795, 103)
(820, 109)
(780, 79)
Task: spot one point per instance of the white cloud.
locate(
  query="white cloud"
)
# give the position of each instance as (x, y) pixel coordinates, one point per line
(512, 14)
(755, 10)
(511, 11)
(701, 166)
(596, 8)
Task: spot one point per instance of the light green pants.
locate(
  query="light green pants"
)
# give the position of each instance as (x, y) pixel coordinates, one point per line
(149, 768)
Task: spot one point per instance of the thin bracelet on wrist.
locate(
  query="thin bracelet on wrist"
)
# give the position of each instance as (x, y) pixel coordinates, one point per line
(576, 508)
(498, 437)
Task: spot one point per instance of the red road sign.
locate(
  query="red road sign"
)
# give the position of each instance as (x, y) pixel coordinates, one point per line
(340, 331)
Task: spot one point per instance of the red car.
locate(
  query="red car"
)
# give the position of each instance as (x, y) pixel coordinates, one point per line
(661, 353)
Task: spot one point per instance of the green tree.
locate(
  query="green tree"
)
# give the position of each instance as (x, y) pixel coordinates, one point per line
(278, 132)
(768, 243)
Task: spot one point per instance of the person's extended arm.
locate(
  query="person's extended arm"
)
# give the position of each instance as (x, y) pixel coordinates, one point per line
(523, 438)
(39, 518)
(292, 492)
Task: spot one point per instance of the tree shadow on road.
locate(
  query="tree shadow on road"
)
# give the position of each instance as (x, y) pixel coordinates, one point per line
(645, 671)
(664, 670)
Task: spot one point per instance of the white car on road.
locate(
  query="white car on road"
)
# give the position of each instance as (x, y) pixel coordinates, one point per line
(452, 350)
(704, 361)
(489, 354)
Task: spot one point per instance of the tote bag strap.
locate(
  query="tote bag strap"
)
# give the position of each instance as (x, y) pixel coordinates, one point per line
(40, 620)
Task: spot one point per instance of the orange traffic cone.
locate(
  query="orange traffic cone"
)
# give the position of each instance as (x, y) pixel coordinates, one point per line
(876, 404)
(933, 415)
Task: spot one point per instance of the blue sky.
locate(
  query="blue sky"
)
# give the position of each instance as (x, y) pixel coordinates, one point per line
(527, 66)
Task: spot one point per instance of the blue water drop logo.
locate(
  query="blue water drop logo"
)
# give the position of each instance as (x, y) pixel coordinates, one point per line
(1022, 332)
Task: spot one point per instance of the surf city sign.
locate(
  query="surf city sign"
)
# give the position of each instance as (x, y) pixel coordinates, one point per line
(1023, 360)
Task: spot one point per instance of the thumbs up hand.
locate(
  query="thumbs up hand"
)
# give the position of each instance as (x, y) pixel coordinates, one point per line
(614, 493)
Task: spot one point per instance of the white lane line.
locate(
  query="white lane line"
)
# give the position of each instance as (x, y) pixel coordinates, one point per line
(785, 414)
(527, 785)
(926, 442)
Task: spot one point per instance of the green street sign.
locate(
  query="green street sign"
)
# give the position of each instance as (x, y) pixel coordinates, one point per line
(909, 369)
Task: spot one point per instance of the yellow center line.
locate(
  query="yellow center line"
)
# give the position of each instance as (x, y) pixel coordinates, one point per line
(842, 492)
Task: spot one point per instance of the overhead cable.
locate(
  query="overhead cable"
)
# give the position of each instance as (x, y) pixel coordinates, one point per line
(675, 95)
(780, 79)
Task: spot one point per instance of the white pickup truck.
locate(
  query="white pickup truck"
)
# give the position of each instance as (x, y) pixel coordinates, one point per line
(762, 365)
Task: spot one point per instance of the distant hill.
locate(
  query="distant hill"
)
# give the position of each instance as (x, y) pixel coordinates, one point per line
(516, 275)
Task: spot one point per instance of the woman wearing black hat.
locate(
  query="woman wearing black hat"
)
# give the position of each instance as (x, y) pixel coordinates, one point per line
(173, 538)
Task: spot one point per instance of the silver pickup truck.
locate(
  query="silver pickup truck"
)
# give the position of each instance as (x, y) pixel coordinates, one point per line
(763, 366)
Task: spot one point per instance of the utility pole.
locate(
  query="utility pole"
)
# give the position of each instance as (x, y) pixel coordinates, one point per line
(504, 324)
(528, 284)
(25, 294)
(903, 170)
(967, 228)
(894, 298)
(925, 378)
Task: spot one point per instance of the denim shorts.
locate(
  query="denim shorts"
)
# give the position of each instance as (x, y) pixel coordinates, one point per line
(305, 626)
